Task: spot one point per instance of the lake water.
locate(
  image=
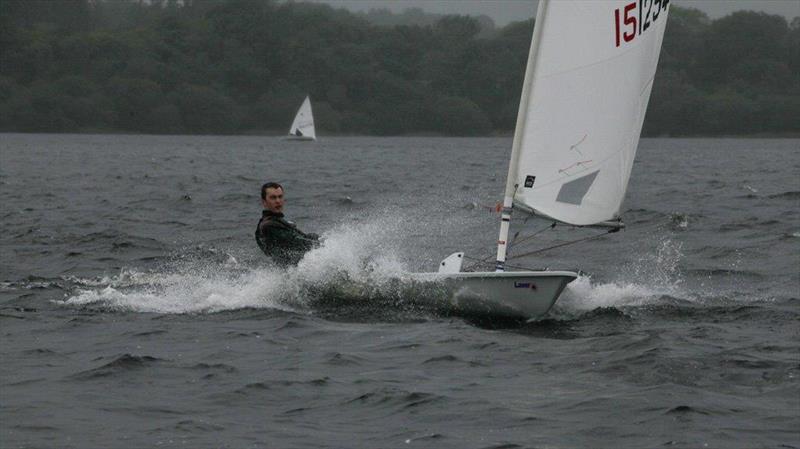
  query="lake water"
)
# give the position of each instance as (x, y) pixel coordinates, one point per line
(136, 310)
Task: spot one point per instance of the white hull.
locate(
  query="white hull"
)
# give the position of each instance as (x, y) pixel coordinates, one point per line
(520, 294)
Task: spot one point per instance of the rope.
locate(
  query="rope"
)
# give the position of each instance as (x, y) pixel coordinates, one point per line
(515, 242)
(591, 237)
(484, 261)
(488, 260)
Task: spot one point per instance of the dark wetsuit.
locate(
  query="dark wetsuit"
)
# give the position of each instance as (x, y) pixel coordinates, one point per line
(281, 240)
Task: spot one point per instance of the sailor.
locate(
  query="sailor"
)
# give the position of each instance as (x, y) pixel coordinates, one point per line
(277, 237)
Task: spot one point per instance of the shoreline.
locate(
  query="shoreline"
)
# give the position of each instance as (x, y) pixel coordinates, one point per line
(271, 133)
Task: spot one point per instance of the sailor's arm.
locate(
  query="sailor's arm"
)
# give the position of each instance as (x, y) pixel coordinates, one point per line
(289, 235)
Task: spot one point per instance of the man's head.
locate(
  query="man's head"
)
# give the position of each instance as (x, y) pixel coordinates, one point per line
(272, 197)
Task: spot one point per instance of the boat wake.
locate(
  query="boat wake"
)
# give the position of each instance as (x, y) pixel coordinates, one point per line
(647, 281)
(357, 263)
(186, 290)
(583, 294)
(358, 273)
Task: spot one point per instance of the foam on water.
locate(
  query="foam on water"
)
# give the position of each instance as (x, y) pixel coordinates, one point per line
(366, 252)
(366, 255)
(358, 262)
(583, 294)
(362, 254)
(186, 292)
(641, 283)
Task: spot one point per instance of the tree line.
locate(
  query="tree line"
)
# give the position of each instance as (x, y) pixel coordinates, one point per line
(244, 66)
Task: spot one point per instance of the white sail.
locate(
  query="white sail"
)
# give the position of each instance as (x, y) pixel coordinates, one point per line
(303, 124)
(588, 81)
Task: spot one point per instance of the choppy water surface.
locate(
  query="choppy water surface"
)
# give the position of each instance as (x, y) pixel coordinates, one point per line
(136, 310)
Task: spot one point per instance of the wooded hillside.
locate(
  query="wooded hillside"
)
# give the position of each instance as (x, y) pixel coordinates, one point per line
(237, 66)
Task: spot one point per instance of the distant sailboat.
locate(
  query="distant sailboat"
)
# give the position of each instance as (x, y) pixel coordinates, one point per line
(303, 125)
(587, 84)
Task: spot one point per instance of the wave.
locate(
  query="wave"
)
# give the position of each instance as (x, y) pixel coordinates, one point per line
(751, 223)
(117, 241)
(343, 201)
(234, 197)
(679, 221)
(202, 289)
(646, 281)
(31, 282)
(583, 294)
(790, 195)
(358, 274)
(120, 365)
(718, 272)
(684, 409)
(395, 399)
(749, 196)
(354, 262)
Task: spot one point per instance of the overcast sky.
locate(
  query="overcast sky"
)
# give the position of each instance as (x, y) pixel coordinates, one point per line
(505, 11)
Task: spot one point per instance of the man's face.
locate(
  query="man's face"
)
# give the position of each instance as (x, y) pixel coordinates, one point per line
(274, 200)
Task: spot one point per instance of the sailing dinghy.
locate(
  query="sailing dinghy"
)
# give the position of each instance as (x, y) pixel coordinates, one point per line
(303, 125)
(587, 84)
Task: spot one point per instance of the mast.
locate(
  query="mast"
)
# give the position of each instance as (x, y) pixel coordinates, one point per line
(511, 180)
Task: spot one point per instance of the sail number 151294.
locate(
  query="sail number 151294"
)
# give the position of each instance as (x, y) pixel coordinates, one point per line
(636, 17)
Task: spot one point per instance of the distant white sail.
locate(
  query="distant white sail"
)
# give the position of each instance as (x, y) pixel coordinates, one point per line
(303, 124)
(588, 84)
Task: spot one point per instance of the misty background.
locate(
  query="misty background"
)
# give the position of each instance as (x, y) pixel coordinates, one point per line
(371, 68)
(503, 12)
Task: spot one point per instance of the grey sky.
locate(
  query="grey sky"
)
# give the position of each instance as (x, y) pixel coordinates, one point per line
(505, 11)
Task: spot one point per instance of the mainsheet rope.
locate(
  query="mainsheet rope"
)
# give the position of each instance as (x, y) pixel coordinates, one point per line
(488, 259)
(591, 237)
(541, 250)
